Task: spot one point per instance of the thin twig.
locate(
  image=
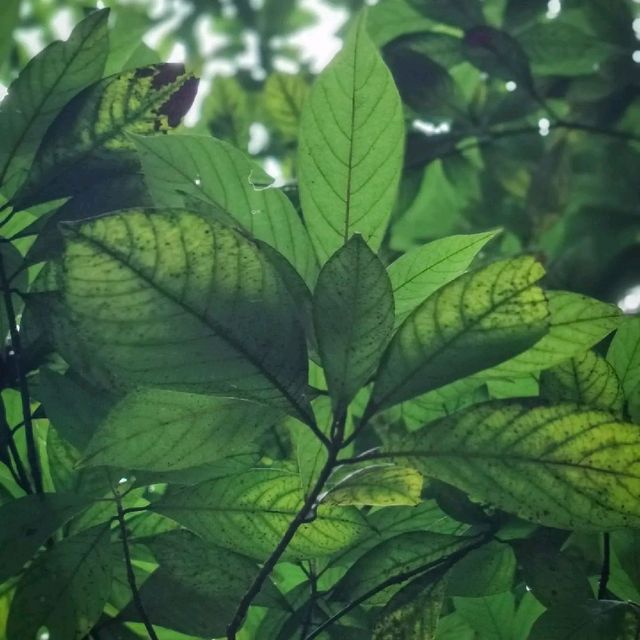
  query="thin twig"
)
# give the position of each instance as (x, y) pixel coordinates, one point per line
(131, 576)
(313, 593)
(300, 518)
(490, 136)
(32, 451)
(605, 571)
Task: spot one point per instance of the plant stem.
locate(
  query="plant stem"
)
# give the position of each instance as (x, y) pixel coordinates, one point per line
(489, 136)
(605, 571)
(299, 519)
(32, 450)
(131, 576)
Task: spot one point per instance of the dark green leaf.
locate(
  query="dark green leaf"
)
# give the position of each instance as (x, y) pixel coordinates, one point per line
(65, 589)
(591, 620)
(227, 112)
(474, 322)
(72, 405)
(28, 522)
(460, 13)
(353, 317)
(407, 554)
(43, 87)
(135, 308)
(350, 148)
(197, 586)
(498, 54)
(554, 577)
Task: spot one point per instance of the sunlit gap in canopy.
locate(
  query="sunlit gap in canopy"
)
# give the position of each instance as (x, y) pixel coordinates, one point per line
(630, 301)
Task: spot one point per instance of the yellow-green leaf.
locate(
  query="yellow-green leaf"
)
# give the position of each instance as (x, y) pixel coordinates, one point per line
(587, 379)
(350, 147)
(249, 513)
(561, 466)
(421, 271)
(378, 486)
(474, 322)
(576, 324)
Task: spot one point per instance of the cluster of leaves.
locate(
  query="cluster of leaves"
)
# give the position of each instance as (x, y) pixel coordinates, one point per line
(230, 410)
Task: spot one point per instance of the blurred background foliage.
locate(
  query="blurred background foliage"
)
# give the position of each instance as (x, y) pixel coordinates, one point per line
(520, 113)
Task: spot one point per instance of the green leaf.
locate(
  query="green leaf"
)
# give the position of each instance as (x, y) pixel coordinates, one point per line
(560, 48)
(284, 95)
(474, 322)
(227, 112)
(9, 14)
(88, 142)
(197, 586)
(28, 522)
(353, 317)
(625, 545)
(483, 572)
(491, 617)
(379, 486)
(389, 20)
(64, 590)
(350, 148)
(134, 308)
(498, 54)
(423, 270)
(310, 452)
(588, 379)
(561, 466)
(213, 170)
(577, 323)
(404, 554)
(250, 512)
(459, 13)
(161, 430)
(591, 620)
(624, 356)
(44, 86)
